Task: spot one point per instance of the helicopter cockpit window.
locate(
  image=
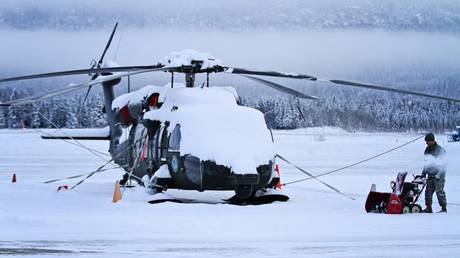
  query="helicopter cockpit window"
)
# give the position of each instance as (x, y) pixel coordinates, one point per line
(174, 139)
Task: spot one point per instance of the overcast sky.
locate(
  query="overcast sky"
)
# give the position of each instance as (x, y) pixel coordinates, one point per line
(333, 53)
(420, 15)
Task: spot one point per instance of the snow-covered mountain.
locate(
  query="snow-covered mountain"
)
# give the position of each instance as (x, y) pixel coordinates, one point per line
(419, 15)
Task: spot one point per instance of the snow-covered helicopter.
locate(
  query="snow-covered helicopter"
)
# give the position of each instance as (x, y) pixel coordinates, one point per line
(187, 137)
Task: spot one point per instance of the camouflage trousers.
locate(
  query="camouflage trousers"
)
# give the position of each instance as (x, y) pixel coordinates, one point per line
(435, 185)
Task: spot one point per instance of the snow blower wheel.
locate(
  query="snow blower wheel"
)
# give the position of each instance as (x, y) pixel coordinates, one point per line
(406, 209)
(383, 207)
(416, 208)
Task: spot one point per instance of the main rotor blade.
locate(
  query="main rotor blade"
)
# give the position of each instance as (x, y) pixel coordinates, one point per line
(390, 89)
(281, 88)
(107, 45)
(73, 87)
(269, 73)
(83, 71)
(337, 82)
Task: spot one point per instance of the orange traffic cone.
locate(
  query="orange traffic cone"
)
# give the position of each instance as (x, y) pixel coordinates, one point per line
(116, 193)
(13, 179)
(277, 169)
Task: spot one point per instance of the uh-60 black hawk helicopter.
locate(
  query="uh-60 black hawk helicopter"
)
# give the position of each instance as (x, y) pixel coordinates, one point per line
(187, 137)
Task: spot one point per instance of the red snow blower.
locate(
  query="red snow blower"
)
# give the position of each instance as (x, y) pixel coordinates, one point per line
(403, 198)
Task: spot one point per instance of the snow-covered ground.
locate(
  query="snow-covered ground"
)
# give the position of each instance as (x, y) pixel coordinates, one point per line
(316, 222)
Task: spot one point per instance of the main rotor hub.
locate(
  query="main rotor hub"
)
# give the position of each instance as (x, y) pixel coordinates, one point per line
(191, 62)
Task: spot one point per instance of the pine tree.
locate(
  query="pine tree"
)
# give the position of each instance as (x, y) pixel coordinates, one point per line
(12, 123)
(71, 114)
(35, 119)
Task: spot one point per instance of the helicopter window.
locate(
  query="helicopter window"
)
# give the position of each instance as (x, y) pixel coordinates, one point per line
(174, 139)
(140, 136)
(164, 142)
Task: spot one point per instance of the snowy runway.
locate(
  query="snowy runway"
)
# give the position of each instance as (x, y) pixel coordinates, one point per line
(316, 222)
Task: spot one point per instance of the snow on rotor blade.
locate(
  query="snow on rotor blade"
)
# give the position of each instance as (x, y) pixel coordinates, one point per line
(72, 87)
(389, 89)
(281, 88)
(82, 71)
(269, 73)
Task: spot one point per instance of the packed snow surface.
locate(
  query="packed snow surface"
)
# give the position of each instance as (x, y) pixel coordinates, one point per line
(36, 220)
(214, 127)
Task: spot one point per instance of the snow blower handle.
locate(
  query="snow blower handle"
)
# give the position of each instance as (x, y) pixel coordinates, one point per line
(419, 179)
(393, 186)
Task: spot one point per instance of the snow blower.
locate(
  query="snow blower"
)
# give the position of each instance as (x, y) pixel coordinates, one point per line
(403, 198)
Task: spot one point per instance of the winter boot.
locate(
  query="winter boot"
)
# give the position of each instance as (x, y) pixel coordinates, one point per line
(443, 208)
(428, 209)
(124, 179)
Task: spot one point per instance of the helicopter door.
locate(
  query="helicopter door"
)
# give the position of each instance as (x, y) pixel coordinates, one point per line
(154, 153)
(174, 140)
(156, 145)
(175, 162)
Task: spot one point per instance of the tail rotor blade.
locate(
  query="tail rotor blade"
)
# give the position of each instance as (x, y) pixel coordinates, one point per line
(87, 94)
(107, 46)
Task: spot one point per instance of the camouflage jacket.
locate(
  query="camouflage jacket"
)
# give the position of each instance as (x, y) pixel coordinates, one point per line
(435, 161)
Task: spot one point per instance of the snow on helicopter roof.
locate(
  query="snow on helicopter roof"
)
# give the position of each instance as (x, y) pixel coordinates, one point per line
(185, 58)
(232, 90)
(214, 127)
(142, 93)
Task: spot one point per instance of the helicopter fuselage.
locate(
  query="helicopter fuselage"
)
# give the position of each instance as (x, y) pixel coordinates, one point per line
(173, 153)
(152, 151)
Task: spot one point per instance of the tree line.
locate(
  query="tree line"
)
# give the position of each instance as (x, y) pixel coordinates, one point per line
(374, 112)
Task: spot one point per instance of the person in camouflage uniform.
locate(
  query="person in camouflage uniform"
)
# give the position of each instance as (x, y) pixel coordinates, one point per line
(435, 169)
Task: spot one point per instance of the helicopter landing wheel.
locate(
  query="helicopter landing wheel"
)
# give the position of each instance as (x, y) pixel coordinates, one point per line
(244, 191)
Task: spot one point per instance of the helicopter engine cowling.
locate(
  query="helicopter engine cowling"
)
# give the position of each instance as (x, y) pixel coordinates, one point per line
(129, 114)
(132, 112)
(123, 116)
